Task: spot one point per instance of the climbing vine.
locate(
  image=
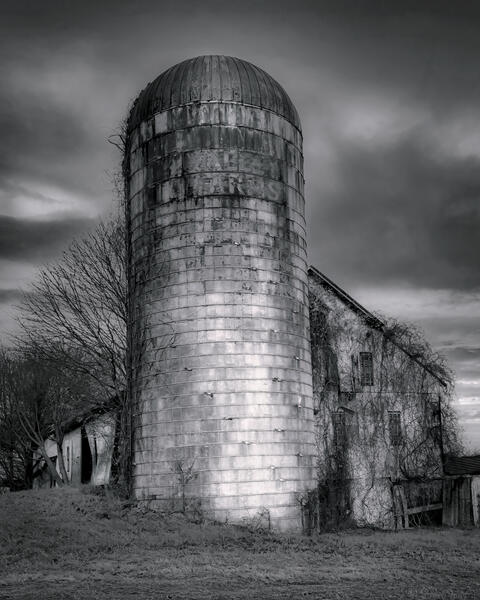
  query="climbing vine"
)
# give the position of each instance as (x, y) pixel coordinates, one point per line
(382, 401)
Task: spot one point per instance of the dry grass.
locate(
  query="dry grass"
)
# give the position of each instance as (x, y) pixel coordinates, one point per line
(59, 544)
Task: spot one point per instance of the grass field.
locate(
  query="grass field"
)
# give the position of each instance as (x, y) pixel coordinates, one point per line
(69, 544)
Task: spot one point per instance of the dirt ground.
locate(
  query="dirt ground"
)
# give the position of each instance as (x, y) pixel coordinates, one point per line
(69, 544)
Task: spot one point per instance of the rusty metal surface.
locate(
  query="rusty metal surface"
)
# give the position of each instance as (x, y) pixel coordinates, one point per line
(209, 79)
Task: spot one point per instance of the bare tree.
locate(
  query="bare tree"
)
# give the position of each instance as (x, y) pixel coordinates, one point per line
(74, 318)
(16, 452)
(75, 313)
(412, 340)
(36, 404)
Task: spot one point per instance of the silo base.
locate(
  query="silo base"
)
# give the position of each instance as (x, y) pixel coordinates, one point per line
(279, 518)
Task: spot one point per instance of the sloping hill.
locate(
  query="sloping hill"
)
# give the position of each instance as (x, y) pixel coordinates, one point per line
(69, 543)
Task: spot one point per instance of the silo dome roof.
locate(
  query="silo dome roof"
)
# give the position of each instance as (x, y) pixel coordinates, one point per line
(213, 79)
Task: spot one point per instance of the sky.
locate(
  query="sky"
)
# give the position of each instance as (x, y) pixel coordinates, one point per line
(389, 98)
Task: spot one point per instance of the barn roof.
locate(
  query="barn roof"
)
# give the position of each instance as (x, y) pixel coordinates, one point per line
(368, 317)
(213, 79)
(462, 465)
(345, 298)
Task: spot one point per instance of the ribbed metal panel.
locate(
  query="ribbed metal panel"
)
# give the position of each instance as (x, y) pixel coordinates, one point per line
(221, 345)
(213, 79)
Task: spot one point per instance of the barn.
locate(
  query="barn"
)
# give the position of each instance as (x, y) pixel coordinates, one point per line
(257, 385)
(377, 418)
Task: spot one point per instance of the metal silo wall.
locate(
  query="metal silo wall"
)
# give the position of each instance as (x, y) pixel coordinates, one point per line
(221, 347)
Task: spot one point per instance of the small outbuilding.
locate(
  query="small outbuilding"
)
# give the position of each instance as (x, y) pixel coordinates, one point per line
(461, 491)
(87, 451)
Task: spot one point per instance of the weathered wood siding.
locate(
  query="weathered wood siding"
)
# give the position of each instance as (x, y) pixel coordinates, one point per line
(461, 500)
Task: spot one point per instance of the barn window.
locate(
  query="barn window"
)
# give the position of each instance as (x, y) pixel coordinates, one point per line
(432, 411)
(433, 420)
(68, 458)
(346, 397)
(395, 428)
(366, 368)
(339, 429)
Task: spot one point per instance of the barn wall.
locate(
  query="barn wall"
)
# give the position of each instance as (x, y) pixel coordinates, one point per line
(101, 433)
(366, 460)
(73, 441)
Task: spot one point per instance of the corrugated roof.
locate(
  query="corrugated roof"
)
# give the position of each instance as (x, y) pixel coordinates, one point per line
(213, 79)
(462, 465)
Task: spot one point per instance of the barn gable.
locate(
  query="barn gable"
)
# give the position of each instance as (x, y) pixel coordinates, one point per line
(377, 410)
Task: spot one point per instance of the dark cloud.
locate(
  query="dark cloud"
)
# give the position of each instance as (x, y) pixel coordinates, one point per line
(37, 125)
(467, 361)
(48, 137)
(8, 296)
(37, 241)
(452, 331)
(401, 213)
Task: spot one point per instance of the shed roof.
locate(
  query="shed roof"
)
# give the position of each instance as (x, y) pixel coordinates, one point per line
(212, 78)
(462, 465)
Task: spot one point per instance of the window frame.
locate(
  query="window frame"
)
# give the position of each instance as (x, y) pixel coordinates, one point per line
(395, 428)
(366, 368)
(339, 426)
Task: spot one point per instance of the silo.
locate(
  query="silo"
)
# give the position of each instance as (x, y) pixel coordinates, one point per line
(220, 346)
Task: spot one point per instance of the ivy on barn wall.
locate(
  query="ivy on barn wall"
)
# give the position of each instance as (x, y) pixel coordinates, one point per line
(374, 428)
